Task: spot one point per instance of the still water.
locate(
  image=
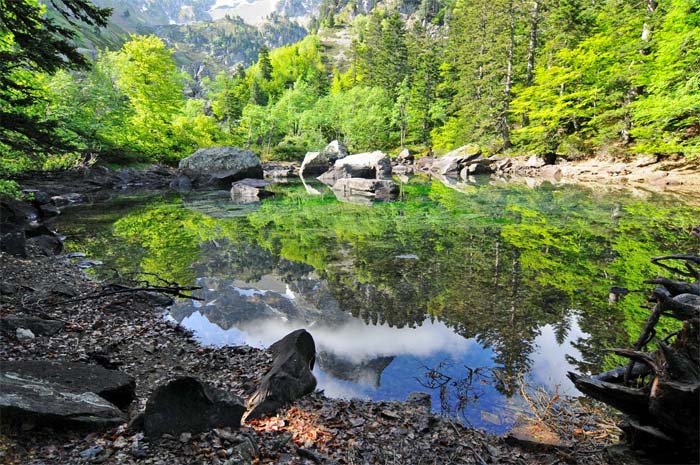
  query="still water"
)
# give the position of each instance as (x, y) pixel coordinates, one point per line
(463, 291)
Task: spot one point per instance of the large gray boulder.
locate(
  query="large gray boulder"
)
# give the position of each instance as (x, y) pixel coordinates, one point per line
(371, 165)
(38, 326)
(289, 378)
(28, 399)
(359, 190)
(316, 163)
(453, 162)
(188, 405)
(220, 166)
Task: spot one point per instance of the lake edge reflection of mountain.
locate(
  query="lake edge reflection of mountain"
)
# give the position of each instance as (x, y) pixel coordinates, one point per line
(458, 292)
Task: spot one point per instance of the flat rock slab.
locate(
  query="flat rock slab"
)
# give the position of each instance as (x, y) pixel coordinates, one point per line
(188, 405)
(114, 386)
(25, 400)
(38, 326)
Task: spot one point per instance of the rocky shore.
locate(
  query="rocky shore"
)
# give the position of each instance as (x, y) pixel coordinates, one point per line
(62, 327)
(127, 332)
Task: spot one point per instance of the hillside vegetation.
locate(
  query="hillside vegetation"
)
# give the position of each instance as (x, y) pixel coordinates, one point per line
(548, 76)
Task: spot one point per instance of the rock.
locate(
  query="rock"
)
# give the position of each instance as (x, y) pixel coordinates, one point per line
(405, 156)
(181, 183)
(23, 334)
(12, 241)
(45, 245)
(535, 162)
(220, 166)
(424, 164)
(26, 400)
(189, 405)
(289, 378)
(455, 161)
(85, 264)
(250, 190)
(375, 189)
(17, 212)
(7, 289)
(535, 436)
(316, 163)
(279, 171)
(91, 452)
(77, 378)
(68, 199)
(476, 167)
(38, 326)
(371, 165)
(402, 170)
(49, 211)
(551, 171)
(244, 452)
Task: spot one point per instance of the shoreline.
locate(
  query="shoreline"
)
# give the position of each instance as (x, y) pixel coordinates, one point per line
(130, 333)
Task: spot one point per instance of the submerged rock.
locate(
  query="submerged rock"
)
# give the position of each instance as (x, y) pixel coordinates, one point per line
(351, 189)
(220, 166)
(250, 190)
(289, 378)
(188, 405)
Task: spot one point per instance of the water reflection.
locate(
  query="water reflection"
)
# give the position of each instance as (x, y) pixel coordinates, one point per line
(456, 289)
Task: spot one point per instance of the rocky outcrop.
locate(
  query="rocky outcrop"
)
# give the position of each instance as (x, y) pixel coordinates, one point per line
(250, 190)
(371, 165)
(57, 394)
(455, 161)
(289, 378)
(358, 190)
(23, 230)
(188, 405)
(220, 166)
(316, 163)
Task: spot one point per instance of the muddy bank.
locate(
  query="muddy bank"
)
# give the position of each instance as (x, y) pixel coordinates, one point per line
(128, 332)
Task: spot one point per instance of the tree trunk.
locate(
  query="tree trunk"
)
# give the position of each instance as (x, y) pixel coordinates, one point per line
(531, 49)
(505, 130)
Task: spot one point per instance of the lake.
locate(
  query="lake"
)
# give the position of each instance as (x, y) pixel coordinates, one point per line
(466, 291)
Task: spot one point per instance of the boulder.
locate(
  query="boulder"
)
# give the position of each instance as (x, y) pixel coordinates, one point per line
(250, 190)
(371, 165)
(424, 163)
(44, 245)
(402, 170)
(220, 166)
(181, 183)
(535, 162)
(38, 326)
(454, 162)
(26, 401)
(476, 167)
(188, 405)
(373, 189)
(316, 163)
(405, 156)
(279, 171)
(289, 378)
(68, 199)
(111, 385)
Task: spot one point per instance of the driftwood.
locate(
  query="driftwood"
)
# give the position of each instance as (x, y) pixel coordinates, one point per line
(659, 390)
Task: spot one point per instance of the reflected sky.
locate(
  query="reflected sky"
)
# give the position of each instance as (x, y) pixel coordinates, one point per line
(381, 362)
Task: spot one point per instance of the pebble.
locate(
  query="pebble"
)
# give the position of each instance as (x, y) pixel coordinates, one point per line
(24, 334)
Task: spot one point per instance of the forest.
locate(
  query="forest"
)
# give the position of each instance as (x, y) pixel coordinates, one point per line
(551, 76)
